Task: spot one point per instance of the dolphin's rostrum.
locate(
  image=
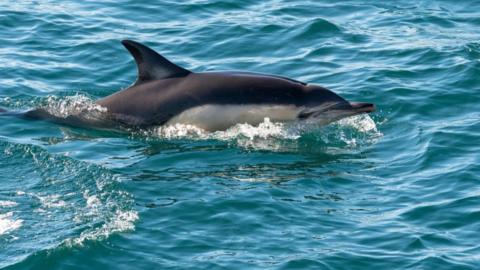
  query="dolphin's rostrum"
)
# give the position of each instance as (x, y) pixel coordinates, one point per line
(165, 93)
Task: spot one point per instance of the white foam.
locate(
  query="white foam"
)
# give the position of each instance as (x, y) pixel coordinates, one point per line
(263, 135)
(73, 105)
(51, 201)
(363, 123)
(7, 204)
(7, 224)
(177, 131)
(122, 221)
(264, 130)
(93, 201)
(113, 217)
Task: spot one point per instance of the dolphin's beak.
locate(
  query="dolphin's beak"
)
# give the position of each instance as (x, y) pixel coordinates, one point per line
(362, 107)
(351, 108)
(335, 111)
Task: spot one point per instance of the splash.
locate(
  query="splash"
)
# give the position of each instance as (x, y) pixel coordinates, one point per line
(8, 224)
(268, 135)
(72, 105)
(266, 129)
(177, 131)
(351, 132)
(363, 123)
(77, 108)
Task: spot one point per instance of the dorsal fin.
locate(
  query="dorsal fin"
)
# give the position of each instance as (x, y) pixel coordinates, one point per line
(151, 65)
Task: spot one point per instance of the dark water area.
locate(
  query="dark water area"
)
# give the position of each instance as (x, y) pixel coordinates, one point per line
(397, 189)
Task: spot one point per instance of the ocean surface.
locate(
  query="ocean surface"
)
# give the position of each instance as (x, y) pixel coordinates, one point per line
(397, 189)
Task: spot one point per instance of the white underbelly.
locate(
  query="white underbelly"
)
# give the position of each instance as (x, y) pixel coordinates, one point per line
(221, 117)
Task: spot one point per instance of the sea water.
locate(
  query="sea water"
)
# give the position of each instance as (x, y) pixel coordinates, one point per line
(396, 189)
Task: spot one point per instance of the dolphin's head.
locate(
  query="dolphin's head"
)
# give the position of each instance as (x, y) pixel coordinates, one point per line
(324, 106)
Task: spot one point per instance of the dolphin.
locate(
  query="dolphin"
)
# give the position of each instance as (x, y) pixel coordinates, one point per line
(166, 94)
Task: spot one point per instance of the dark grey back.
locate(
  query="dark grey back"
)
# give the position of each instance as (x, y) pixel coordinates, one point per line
(163, 90)
(154, 103)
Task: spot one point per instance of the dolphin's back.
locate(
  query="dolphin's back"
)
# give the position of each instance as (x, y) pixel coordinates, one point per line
(241, 88)
(158, 101)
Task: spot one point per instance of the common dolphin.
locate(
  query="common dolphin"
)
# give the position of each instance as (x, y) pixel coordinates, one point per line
(165, 93)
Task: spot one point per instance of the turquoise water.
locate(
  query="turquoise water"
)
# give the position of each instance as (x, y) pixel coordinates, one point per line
(398, 189)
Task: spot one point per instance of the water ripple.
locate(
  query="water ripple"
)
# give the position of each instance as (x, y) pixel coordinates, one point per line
(395, 190)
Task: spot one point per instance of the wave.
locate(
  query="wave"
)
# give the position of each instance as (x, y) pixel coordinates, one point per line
(51, 201)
